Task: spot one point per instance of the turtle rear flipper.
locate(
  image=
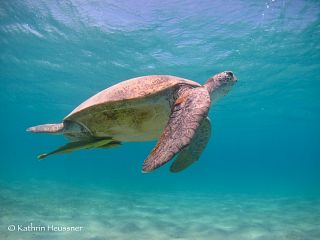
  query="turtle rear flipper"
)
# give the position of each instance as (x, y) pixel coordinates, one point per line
(85, 144)
(55, 128)
(111, 144)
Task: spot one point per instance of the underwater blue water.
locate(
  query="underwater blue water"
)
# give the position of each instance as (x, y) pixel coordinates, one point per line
(266, 132)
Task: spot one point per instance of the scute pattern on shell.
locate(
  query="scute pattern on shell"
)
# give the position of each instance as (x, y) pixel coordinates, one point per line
(134, 88)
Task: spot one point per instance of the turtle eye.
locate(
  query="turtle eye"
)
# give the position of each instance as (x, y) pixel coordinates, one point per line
(230, 74)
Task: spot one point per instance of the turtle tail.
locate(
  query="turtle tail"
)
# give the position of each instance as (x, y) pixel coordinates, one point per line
(47, 128)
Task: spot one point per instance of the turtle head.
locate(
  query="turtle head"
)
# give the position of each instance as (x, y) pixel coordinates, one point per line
(220, 84)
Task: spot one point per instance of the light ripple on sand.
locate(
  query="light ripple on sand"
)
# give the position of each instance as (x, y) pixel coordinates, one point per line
(109, 214)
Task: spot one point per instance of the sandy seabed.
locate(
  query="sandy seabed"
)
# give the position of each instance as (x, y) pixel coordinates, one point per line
(55, 211)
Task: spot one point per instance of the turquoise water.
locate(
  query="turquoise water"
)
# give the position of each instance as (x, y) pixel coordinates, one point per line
(259, 177)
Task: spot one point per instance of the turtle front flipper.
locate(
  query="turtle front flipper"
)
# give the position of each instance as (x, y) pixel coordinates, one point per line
(190, 108)
(85, 144)
(193, 152)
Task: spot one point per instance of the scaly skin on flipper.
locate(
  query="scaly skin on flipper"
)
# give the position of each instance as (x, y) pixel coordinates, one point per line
(193, 152)
(189, 110)
(47, 128)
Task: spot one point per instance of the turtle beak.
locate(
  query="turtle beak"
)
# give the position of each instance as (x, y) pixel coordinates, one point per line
(235, 79)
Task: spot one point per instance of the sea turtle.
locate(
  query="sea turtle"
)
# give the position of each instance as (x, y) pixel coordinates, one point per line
(169, 109)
